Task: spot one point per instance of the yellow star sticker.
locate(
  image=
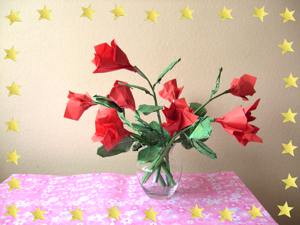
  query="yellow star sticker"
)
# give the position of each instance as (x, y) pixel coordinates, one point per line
(76, 214)
(13, 17)
(187, 13)
(38, 214)
(11, 54)
(13, 157)
(12, 210)
(13, 184)
(152, 15)
(289, 116)
(118, 11)
(45, 13)
(225, 14)
(14, 89)
(87, 12)
(286, 46)
(288, 15)
(284, 210)
(260, 13)
(114, 213)
(255, 212)
(197, 212)
(226, 214)
(290, 81)
(290, 182)
(12, 125)
(150, 214)
(289, 148)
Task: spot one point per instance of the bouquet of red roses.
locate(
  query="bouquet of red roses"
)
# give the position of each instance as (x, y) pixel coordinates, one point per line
(188, 124)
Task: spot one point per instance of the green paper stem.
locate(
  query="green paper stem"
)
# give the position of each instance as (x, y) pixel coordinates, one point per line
(153, 95)
(212, 98)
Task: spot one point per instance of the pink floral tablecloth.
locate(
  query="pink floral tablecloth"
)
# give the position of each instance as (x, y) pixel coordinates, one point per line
(95, 193)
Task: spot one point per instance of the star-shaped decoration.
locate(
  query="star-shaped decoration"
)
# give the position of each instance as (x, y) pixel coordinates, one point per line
(289, 148)
(114, 213)
(76, 214)
(289, 116)
(290, 182)
(285, 210)
(12, 125)
(225, 14)
(13, 184)
(150, 214)
(255, 212)
(87, 12)
(152, 15)
(288, 15)
(45, 13)
(197, 212)
(260, 13)
(38, 214)
(118, 11)
(13, 17)
(286, 46)
(13, 157)
(226, 214)
(187, 13)
(11, 54)
(12, 210)
(13, 89)
(290, 81)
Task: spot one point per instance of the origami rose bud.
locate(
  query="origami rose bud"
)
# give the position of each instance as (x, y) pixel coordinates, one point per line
(170, 90)
(243, 86)
(109, 128)
(178, 116)
(109, 58)
(237, 124)
(122, 95)
(77, 104)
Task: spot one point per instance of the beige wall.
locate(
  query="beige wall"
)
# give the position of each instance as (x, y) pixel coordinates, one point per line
(55, 57)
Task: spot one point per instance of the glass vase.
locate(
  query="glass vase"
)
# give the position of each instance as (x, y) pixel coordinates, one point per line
(160, 178)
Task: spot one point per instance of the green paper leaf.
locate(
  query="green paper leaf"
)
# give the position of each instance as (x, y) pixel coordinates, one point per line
(217, 85)
(195, 106)
(165, 71)
(148, 154)
(155, 125)
(101, 100)
(123, 146)
(204, 149)
(136, 87)
(185, 141)
(147, 109)
(203, 129)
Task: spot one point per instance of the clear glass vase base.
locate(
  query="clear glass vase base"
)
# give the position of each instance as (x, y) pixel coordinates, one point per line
(159, 192)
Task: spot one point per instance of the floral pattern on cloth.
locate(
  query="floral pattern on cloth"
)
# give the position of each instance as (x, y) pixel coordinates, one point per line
(96, 192)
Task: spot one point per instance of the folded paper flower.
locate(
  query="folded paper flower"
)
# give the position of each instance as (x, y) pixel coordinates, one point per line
(170, 90)
(109, 58)
(237, 124)
(243, 86)
(77, 104)
(109, 128)
(121, 94)
(178, 116)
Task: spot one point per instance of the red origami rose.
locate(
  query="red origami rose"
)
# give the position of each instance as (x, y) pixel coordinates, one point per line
(243, 86)
(109, 58)
(77, 104)
(170, 90)
(178, 116)
(109, 128)
(122, 95)
(237, 124)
